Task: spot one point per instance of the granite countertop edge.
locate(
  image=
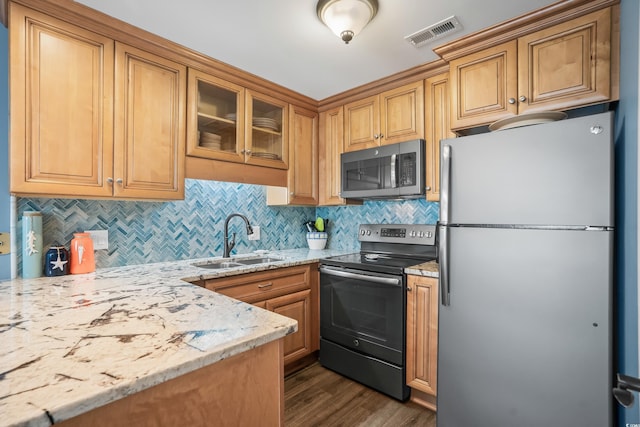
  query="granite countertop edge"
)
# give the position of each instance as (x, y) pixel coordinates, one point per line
(427, 269)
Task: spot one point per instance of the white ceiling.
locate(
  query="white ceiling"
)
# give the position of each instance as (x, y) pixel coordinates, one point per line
(284, 42)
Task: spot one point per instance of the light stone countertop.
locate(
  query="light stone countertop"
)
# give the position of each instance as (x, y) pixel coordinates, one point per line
(72, 343)
(427, 269)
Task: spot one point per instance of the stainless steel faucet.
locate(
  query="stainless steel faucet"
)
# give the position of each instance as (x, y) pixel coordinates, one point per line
(228, 245)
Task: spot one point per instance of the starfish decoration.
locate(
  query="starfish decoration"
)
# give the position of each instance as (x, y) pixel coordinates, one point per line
(58, 263)
(31, 243)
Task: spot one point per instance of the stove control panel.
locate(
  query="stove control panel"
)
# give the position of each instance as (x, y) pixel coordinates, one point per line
(415, 234)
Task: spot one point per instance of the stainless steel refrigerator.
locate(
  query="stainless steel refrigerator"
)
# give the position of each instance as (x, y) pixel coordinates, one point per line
(525, 252)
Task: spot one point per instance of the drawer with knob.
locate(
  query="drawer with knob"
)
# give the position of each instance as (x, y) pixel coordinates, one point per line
(255, 287)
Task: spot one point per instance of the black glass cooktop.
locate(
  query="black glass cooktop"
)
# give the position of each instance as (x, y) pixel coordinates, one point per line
(374, 262)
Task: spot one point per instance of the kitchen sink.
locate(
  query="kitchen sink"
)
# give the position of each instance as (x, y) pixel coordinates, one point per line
(236, 262)
(219, 264)
(261, 260)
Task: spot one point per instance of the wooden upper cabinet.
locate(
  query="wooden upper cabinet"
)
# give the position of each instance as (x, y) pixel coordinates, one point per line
(215, 118)
(422, 333)
(331, 134)
(396, 115)
(481, 84)
(303, 165)
(61, 85)
(362, 124)
(149, 137)
(91, 117)
(266, 127)
(437, 127)
(565, 66)
(302, 176)
(230, 123)
(402, 114)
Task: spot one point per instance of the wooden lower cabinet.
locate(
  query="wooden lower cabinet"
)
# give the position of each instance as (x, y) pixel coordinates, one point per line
(422, 339)
(292, 292)
(295, 306)
(244, 390)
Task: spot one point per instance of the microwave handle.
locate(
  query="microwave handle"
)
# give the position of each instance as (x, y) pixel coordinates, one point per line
(394, 182)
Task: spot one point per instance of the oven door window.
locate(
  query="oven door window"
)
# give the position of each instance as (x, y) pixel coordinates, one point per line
(364, 315)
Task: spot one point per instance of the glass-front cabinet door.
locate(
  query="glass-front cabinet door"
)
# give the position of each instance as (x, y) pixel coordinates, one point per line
(266, 131)
(215, 118)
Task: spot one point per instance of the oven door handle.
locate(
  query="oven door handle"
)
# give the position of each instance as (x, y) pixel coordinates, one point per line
(349, 275)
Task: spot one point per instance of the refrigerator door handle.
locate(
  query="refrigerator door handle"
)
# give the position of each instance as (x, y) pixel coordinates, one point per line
(445, 185)
(443, 253)
(394, 182)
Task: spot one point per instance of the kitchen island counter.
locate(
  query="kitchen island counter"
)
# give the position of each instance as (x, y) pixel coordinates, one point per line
(74, 343)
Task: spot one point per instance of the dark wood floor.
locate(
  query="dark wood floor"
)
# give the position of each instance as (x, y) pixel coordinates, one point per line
(317, 396)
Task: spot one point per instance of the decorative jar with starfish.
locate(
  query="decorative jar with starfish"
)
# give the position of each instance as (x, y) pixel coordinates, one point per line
(56, 261)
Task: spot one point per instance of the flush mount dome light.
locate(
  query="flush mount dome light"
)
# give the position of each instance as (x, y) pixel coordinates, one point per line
(346, 18)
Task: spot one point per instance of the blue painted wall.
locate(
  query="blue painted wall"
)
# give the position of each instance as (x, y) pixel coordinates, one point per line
(627, 202)
(5, 265)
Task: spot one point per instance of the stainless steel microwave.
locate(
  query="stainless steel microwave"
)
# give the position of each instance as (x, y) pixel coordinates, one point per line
(394, 171)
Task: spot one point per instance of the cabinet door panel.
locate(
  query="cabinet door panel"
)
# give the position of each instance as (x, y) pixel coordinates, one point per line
(422, 333)
(295, 306)
(437, 127)
(216, 107)
(567, 64)
(482, 84)
(362, 124)
(61, 106)
(303, 162)
(150, 125)
(266, 144)
(402, 114)
(331, 146)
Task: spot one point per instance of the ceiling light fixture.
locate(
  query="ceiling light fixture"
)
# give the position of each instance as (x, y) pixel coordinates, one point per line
(346, 18)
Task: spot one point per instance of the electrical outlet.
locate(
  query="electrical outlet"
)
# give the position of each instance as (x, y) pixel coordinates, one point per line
(100, 238)
(256, 233)
(5, 243)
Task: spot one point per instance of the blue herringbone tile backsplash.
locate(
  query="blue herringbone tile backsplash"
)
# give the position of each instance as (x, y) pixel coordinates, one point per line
(144, 232)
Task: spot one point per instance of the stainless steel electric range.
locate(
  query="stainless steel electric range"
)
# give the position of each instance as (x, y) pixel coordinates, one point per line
(363, 305)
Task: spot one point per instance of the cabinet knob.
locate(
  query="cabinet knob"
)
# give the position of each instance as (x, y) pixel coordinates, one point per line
(119, 181)
(428, 188)
(376, 136)
(249, 152)
(522, 98)
(408, 288)
(292, 193)
(381, 135)
(512, 100)
(110, 180)
(243, 151)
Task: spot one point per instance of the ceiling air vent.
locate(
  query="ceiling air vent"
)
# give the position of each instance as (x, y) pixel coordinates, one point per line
(432, 32)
